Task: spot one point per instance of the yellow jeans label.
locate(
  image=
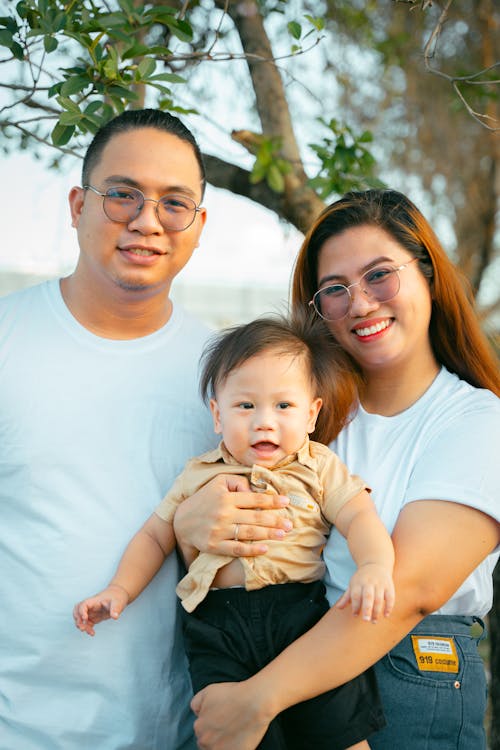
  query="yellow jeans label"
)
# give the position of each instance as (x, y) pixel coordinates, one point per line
(435, 654)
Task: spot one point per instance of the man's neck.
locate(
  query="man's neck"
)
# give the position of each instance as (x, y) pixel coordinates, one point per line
(119, 313)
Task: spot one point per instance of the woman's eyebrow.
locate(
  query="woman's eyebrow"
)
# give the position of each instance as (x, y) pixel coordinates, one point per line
(339, 278)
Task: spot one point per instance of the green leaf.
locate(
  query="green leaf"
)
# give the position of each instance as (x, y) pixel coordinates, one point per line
(74, 85)
(169, 77)
(182, 30)
(275, 179)
(122, 93)
(50, 43)
(61, 134)
(17, 51)
(9, 23)
(6, 38)
(295, 29)
(68, 104)
(70, 118)
(146, 67)
(318, 23)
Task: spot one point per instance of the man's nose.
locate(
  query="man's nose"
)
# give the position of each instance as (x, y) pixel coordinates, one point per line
(147, 221)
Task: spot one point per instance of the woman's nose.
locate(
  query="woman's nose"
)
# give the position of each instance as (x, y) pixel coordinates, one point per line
(362, 302)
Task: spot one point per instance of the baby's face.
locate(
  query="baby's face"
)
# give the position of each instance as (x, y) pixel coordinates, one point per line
(265, 408)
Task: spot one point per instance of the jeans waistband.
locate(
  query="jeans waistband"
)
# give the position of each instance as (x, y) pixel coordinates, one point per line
(448, 625)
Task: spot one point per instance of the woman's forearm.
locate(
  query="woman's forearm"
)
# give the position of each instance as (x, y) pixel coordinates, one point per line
(428, 570)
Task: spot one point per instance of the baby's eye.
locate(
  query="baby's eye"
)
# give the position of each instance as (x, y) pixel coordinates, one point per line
(283, 405)
(245, 405)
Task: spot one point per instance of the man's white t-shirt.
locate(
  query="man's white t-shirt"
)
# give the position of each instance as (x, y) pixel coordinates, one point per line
(444, 447)
(92, 434)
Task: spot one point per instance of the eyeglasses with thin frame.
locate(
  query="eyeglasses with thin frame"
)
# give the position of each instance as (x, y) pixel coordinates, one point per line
(381, 283)
(124, 204)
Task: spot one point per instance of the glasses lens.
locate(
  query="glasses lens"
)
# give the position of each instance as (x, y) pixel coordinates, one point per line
(176, 212)
(122, 204)
(381, 284)
(332, 302)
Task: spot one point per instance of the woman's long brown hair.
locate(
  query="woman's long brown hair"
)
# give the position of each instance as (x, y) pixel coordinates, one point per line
(455, 333)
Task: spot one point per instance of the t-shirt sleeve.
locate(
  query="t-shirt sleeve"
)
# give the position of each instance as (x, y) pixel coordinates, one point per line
(339, 486)
(174, 497)
(460, 463)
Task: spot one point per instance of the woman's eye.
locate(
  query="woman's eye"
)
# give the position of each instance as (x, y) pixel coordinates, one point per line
(378, 275)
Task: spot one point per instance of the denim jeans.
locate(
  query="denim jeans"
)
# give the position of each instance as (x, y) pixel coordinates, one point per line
(433, 710)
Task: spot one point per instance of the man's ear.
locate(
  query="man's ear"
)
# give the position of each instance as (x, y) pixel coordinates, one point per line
(76, 199)
(214, 408)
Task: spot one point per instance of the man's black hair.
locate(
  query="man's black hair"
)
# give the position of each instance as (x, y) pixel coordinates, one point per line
(134, 119)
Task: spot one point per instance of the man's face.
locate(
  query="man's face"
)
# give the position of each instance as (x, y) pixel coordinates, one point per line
(141, 256)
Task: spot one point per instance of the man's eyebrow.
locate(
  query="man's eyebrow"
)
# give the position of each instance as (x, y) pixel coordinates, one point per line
(120, 179)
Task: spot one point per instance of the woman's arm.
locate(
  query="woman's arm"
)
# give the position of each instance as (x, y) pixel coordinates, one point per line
(208, 520)
(437, 545)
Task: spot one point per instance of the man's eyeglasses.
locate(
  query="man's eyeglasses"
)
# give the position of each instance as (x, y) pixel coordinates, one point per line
(382, 283)
(124, 204)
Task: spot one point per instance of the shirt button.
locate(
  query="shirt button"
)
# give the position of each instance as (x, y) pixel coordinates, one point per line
(456, 684)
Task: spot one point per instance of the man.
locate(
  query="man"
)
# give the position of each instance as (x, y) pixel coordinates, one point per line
(99, 411)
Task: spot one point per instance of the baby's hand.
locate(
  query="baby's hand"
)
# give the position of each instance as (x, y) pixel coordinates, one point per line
(370, 591)
(109, 603)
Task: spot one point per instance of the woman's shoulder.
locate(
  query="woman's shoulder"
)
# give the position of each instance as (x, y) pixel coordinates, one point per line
(460, 397)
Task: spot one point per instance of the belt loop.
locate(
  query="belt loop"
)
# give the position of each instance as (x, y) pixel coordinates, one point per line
(483, 626)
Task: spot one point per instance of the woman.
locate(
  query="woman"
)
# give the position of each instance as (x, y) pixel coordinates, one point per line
(425, 437)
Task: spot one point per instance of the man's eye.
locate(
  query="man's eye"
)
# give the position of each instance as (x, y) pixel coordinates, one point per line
(121, 194)
(175, 203)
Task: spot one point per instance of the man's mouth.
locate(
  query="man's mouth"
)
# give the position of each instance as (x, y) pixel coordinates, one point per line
(140, 251)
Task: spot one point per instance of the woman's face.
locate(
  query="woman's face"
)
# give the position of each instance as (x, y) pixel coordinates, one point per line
(378, 335)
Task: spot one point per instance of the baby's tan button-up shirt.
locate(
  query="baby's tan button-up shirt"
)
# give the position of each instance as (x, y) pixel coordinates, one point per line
(318, 485)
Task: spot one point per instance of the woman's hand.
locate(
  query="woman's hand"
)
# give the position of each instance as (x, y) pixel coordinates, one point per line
(216, 729)
(226, 518)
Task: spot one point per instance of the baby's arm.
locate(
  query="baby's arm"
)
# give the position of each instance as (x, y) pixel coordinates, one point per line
(141, 560)
(371, 588)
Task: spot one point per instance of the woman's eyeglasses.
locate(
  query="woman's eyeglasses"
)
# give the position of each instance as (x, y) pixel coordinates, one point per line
(382, 283)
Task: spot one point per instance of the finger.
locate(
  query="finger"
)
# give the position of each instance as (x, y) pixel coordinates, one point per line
(242, 549)
(115, 609)
(237, 483)
(344, 600)
(196, 702)
(378, 605)
(368, 599)
(252, 533)
(261, 500)
(356, 596)
(390, 599)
